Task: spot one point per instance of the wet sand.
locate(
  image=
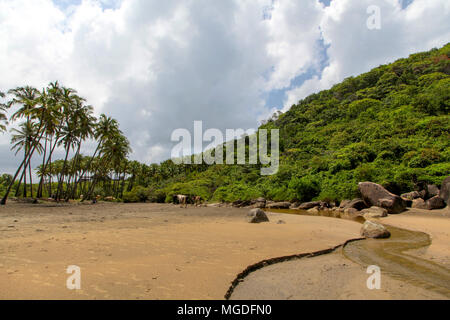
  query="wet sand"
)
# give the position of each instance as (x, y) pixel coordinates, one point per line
(334, 276)
(145, 251)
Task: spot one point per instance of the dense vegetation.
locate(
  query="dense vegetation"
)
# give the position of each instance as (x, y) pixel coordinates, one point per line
(390, 125)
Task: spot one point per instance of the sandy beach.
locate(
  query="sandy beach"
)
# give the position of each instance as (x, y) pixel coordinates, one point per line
(154, 251)
(145, 251)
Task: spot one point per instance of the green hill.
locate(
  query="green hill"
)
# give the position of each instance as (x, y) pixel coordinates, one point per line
(390, 126)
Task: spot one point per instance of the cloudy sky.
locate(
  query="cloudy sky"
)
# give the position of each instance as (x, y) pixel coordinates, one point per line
(157, 66)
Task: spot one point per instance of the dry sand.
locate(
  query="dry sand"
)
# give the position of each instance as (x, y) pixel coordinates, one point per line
(435, 223)
(145, 251)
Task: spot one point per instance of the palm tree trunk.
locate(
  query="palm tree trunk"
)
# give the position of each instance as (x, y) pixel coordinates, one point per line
(61, 177)
(24, 162)
(41, 181)
(31, 179)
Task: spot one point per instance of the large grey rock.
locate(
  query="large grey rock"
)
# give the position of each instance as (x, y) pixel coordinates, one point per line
(375, 195)
(445, 191)
(279, 205)
(257, 216)
(374, 212)
(374, 230)
(435, 203)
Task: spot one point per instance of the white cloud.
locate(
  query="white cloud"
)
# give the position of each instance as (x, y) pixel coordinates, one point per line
(354, 49)
(159, 65)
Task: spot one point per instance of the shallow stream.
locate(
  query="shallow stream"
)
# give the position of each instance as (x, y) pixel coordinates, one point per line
(396, 256)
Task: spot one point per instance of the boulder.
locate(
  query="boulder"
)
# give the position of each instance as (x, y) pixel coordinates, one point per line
(344, 203)
(411, 195)
(309, 205)
(350, 213)
(419, 204)
(295, 205)
(432, 191)
(257, 216)
(445, 191)
(357, 204)
(374, 212)
(435, 203)
(313, 210)
(374, 230)
(375, 195)
(279, 205)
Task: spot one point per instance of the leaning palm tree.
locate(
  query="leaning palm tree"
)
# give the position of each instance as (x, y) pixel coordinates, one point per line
(27, 98)
(24, 139)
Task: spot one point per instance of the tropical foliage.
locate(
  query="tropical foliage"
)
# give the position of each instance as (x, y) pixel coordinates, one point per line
(390, 125)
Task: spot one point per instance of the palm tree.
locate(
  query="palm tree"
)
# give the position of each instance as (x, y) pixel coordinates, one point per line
(84, 122)
(3, 117)
(114, 149)
(24, 139)
(28, 98)
(105, 128)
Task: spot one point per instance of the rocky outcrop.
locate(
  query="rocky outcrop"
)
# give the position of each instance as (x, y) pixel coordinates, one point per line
(431, 204)
(241, 203)
(350, 213)
(432, 191)
(411, 195)
(257, 216)
(309, 205)
(374, 230)
(419, 204)
(279, 205)
(314, 210)
(444, 194)
(344, 203)
(295, 205)
(374, 212)
(375, 195)
(258, 203)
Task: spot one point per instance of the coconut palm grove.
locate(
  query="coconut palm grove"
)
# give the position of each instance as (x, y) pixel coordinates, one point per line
(390, 126)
